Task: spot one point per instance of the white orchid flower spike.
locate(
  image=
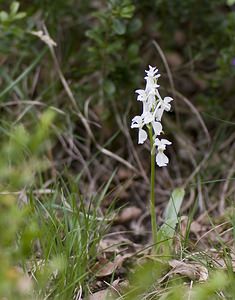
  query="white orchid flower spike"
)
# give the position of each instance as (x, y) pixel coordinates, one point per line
(153, 107)
(161, 158)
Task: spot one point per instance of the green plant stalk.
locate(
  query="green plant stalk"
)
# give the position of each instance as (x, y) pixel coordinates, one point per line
(152, 194)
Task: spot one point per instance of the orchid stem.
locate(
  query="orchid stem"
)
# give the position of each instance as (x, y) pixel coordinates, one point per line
(152, 193)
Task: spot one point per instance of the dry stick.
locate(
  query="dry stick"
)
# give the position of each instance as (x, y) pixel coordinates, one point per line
(35, 80)
(212, 229)
(80, 115)
(194, 110)
(226, 143)
(32, 103)
(189, 202)
(197, 169)
(35, 192)
(224, 190)
(161, 53)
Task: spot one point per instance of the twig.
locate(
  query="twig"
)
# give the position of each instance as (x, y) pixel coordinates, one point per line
(169, 74)
(193, 108)
(225, 188)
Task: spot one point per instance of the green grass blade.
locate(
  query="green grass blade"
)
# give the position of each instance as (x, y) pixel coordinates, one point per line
(25, 73)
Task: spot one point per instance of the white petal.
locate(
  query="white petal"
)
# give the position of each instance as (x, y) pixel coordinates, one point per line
(141, 95)
(151, 100)
(142, 136)
(166, 103)
(159, 113)
(149, 83)
(146, 107)
(157, 127)
(137, 119)
(161, 159)
(166, 107)
(152, 72)
(140, 91)
(148, 117)
(167, 99)
(136, 122)
(166, 142)
(157, 142)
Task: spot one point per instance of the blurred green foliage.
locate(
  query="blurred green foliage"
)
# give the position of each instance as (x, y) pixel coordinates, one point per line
(20, 162)
(106, 43)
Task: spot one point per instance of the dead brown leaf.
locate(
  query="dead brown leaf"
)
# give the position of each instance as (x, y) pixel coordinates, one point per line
(128, 214)
(116, 245)
(101, 295)
(193, 271)
(105, 267)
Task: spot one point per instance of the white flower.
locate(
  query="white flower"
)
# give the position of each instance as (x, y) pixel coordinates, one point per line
(149, 105)
(152, 100)
(151, 85)
(161, 159)
(152, 72)
(144, 119)
(142, 95)
(157, 127)
(137, 122)
(147, 117)
(151, 80)
(164, 105)
(142, 136)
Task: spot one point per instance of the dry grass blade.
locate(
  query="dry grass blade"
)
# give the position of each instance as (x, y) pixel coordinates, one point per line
(169, 74)
(161, 53)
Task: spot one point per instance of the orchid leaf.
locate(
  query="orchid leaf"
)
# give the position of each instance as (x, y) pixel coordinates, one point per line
(167, 230)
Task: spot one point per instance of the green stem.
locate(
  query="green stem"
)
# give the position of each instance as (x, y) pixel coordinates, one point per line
(152, 194)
